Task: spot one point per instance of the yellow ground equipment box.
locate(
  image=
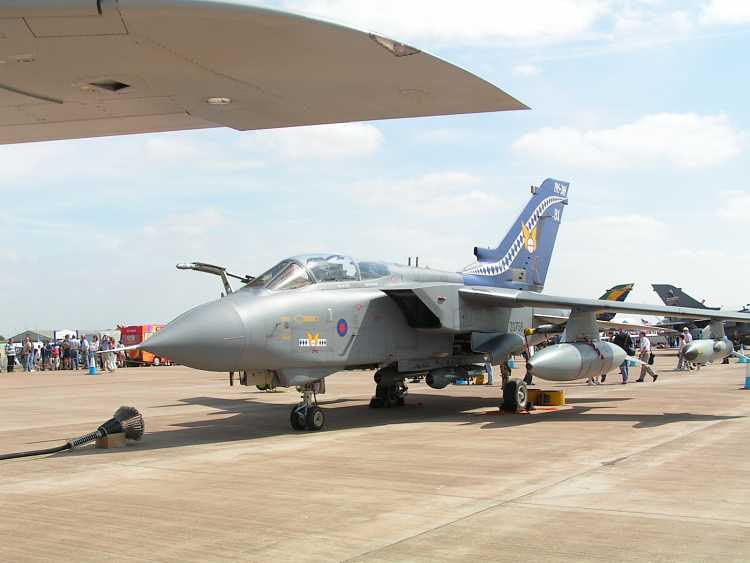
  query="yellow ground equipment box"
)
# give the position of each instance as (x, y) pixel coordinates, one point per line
(545, 398)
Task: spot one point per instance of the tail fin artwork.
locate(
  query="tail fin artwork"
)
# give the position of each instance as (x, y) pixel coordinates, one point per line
(522, 259)
(616, 293)
(675, 297)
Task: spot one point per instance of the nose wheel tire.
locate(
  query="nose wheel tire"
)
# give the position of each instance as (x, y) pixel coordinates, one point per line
(315, 419)
(515, 395)
(307, 415)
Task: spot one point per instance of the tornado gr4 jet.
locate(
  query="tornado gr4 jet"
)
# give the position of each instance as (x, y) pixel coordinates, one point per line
(86, 68)
(314, 315)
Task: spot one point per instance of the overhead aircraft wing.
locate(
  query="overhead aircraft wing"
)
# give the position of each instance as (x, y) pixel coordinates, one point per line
(514, 298)
(84, 68)
(603, 325)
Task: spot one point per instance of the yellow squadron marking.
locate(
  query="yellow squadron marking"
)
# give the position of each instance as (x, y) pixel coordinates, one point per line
(529, 238)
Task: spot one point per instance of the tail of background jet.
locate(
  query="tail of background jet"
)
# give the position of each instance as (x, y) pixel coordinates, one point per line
(617, 293)
(522, 259)
(675, 297)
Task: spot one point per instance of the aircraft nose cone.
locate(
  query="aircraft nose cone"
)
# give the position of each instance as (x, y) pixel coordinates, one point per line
(210, 337)
(691, 352)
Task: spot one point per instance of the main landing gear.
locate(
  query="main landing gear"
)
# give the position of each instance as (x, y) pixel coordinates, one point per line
(515, 396)
(307, 415)
(390, 390)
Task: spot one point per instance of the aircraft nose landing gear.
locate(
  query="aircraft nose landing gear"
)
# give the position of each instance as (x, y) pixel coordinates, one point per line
(307, 415)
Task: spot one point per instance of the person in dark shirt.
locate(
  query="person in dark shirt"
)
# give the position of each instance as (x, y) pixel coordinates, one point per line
(623, 340)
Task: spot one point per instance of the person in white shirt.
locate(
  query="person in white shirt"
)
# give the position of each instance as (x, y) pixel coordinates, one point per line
(688, 340)
(644, 355)
(93, 349)
(85, 351)
(682, 363)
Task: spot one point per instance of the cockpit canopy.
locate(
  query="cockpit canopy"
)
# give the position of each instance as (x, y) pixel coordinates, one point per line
(300, 271)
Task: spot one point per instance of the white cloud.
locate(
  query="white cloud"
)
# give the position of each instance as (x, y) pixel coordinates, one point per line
(194, 224)
(163, 148)
(633, 227)
(526, 70)
(18, 162)
(343, 140)
(726, 12)
(682, 140)
(483, 21)
(441, 194)
(118, 161)
(735, 205)
(637, 20)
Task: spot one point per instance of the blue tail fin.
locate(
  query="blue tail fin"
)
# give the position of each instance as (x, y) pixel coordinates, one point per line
(522, 259)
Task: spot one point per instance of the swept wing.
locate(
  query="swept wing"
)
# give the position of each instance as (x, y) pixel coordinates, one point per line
(512, 298)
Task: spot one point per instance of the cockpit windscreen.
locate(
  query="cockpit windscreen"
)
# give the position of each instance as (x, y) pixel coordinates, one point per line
(300, 271)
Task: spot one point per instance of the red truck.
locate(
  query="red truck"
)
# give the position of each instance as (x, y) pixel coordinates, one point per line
(135, 334)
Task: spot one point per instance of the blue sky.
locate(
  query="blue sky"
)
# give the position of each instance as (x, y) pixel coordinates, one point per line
(641, 105)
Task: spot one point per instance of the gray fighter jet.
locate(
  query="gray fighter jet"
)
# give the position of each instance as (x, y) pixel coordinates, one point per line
(314, 315)
(672, 295)
(711, 346)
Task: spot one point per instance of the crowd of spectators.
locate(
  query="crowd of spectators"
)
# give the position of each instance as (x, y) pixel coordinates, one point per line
(71, 353)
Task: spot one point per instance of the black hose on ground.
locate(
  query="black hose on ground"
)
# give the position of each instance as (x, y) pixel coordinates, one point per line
(126, 420)
(36, 452)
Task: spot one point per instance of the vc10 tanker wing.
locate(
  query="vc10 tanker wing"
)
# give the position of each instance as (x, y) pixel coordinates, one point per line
(84, 68)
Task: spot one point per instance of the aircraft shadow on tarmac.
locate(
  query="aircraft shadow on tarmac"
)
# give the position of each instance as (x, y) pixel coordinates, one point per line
(250, 418)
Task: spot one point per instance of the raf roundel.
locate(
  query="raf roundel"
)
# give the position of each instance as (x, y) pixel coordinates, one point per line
(342, 327)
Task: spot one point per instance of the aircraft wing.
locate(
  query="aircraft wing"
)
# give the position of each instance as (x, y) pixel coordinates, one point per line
(84, 68)
(604, 325)
(514, 298)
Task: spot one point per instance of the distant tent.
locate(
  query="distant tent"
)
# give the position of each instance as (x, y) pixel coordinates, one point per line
(41, 336)
(60, 335)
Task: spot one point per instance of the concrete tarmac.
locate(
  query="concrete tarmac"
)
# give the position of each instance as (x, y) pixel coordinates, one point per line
(643, 472)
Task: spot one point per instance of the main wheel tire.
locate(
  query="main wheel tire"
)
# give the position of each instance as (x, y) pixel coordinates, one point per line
(315, 419)
(515, 395)
(395, 395)
(296, 419)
